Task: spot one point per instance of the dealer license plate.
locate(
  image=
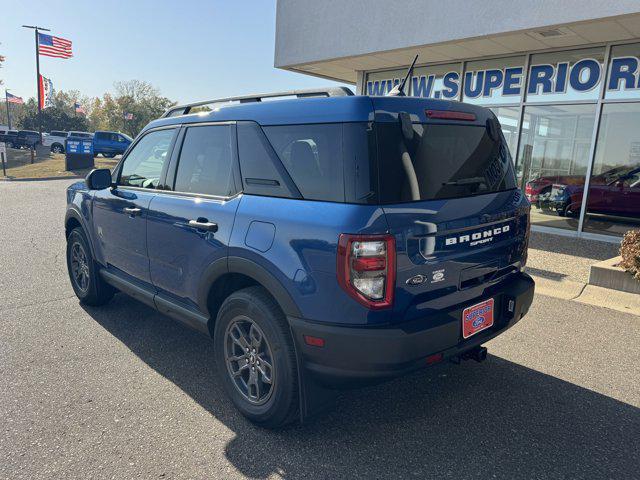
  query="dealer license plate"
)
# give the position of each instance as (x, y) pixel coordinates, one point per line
(477, 318)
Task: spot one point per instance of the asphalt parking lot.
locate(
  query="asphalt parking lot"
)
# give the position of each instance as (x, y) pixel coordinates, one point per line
(124, 392)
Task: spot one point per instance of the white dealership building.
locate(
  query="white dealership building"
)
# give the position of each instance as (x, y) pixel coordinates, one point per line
(562, 76)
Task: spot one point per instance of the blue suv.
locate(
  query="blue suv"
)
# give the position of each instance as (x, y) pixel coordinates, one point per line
(323, 240)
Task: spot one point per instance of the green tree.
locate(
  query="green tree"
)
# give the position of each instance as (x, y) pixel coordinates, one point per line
(136, 97)
(57, 117)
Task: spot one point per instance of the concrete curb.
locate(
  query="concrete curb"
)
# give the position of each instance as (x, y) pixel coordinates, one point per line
(589, 294)
(34, 179)
(607, 274)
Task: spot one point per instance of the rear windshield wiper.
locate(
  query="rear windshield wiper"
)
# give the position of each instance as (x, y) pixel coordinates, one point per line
(466, 181)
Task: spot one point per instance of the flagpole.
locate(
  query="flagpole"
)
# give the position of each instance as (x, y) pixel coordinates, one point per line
(6, 100)
(37, 29)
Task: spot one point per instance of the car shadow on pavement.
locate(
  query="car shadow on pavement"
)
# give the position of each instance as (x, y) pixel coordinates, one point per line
(497, 419)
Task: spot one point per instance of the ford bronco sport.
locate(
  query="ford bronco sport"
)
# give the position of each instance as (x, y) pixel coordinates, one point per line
(326, 239)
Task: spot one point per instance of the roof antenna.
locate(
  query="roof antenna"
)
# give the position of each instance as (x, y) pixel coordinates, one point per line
(398, 90)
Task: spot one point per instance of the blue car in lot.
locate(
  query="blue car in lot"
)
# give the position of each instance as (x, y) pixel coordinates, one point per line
(110, 144)
(321, 241)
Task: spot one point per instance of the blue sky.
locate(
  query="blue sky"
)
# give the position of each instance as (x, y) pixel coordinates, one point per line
(190, 49)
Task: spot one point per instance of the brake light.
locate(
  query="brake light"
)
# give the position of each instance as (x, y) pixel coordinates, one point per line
(451, 115)
(366, 268)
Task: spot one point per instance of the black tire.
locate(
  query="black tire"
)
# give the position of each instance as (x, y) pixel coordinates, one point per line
(95, 291)
(254, 304)
(57, 148)
(108, 155)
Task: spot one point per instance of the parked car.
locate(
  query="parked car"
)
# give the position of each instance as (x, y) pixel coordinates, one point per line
(27, 139)
(9, 137)
(538, 190)
(80, 134)
(110, 144)
(55, 140)
(614, 192)
(319, 241)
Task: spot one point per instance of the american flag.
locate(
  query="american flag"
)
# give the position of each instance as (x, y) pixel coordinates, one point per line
(51, 46)
(14, 99)
(79, 108)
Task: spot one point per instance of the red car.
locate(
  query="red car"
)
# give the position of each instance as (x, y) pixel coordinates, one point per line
(614, 192)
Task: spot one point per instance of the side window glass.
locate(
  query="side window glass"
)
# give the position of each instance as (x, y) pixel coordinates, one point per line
(143, 166)
(312, 154)
(206, 161)
(261, 169)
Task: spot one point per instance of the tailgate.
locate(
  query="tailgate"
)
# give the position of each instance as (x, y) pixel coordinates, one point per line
(450, 251)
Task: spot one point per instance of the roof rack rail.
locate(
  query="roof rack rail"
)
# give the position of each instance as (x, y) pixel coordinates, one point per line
(314, 92)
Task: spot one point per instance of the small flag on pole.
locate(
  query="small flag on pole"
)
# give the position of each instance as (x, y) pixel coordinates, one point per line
(46, 92)
(14, 99)
(128, 116)
(50, 46)
(79, 108)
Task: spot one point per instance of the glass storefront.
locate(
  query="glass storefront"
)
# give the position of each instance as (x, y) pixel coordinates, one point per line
(554, 151)
(551, 106)
(613, 203)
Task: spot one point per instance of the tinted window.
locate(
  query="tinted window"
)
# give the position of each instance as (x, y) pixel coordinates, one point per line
(143, 166)
(101, 136)
(261, 169)
(312, 154)
(206, 161)
(59, 134)
(446, 161)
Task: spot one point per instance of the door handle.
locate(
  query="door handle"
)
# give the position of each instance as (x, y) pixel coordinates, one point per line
(133, 211)
(203, 224)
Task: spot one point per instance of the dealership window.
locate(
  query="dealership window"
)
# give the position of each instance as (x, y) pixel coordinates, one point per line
(613, 203)
(509, 118)
(623, 81)
(380, 83)
(437, 81)
(494, 82)
(554, 150)
(568, 76)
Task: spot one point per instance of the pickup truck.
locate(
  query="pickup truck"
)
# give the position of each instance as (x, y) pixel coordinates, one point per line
(55, 140)
(110, 144)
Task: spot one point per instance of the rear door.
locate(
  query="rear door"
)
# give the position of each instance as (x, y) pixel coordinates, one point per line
(190, 221)
(120, 213)
(450, 199)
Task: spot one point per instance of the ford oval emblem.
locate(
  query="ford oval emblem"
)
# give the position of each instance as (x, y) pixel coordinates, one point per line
(416, 280)
(478, 321)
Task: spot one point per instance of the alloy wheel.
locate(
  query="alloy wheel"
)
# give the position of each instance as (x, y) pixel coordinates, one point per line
(249, 360)
(79, 267)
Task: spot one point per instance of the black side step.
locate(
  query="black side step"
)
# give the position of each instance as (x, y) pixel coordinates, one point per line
(184, 315)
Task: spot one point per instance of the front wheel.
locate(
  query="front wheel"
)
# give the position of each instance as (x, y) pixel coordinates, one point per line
(108, 155)
(255, 357)
(57, 148)
(87, 284)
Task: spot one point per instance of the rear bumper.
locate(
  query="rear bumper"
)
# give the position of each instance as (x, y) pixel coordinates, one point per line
(361, 353)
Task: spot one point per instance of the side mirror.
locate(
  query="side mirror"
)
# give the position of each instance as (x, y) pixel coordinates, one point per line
(98, 179)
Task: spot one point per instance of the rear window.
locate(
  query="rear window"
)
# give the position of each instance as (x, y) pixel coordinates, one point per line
(444, 161)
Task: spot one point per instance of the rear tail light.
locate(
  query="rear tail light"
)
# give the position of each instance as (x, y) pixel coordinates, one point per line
(367, 268)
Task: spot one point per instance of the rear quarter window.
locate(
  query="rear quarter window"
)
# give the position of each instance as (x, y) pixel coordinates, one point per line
(312, 155)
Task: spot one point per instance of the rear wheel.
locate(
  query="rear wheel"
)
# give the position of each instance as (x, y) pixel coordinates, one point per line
(256, 359)
(57, 148)
(108, 155)
(87, 284)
